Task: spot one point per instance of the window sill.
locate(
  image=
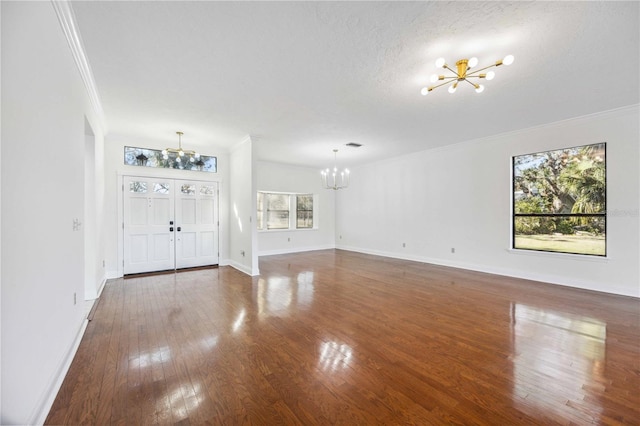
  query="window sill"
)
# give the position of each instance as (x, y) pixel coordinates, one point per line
(555, 255)
(269, 231)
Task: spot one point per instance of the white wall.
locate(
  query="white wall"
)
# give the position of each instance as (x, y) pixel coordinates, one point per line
(273, 177)
(114, 169)
(44, 105)
(0, 217)
(459, 197)
(243, 240)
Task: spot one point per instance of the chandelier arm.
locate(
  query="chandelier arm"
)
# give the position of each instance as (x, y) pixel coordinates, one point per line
(455, 72)
(485, 68)
(471, 83)
(450, 79)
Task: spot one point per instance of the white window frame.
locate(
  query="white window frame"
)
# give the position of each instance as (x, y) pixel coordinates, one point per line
(293, 214)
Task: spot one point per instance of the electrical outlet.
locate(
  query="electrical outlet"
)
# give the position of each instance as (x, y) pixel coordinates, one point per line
(74, 299)
(453, 250)
(103, 263)
(288, 240)
(340, 236)
(242, 253)
(404, 245)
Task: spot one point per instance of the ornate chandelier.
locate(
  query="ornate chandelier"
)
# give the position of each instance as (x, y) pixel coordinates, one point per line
(179, 152)
(335, 179)
(463, 73)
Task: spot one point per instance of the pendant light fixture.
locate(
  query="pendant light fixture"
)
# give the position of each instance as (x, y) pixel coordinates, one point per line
(333, 178)
(181, 153)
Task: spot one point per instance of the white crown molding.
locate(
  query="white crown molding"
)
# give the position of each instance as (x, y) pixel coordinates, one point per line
(67, 20)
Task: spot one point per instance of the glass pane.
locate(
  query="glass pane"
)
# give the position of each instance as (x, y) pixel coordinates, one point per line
(305, 219)
(161, 188)
(277, 202)
(277, 211)
(278, 219)
(207, 190)
(188, 189)
(304, 211)
(564, 181)
(564, 234)
(304, 202)
(139, 187)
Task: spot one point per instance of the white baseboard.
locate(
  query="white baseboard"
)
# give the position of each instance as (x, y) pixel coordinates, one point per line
(46, 400)
(545, 278)
(294, 250)
(242, 268)
(101, 287)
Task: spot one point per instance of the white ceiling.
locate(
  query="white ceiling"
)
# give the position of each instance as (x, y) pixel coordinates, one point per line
(303, 78)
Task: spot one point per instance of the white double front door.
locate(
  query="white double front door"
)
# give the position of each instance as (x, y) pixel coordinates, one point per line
(169, 224)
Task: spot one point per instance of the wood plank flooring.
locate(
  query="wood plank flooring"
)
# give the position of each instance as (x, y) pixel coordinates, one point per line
(334, 337)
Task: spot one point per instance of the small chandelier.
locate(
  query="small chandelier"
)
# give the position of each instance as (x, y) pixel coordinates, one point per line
(333, 179)
(463, 73)
(179, 152)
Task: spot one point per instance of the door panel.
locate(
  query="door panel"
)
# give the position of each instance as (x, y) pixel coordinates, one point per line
(207, 211)
(139, 246)
(148, 242)
(196, 214)
(189, 245)
(152, 243)
(188, 212)
(208, 243)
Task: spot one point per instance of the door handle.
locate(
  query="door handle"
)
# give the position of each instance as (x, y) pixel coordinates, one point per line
(178, 229)
(171, 229)
(170, 222)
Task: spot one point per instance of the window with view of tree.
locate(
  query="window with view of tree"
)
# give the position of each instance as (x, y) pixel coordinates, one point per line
(284, 211)
(304, 211)
(559, 200)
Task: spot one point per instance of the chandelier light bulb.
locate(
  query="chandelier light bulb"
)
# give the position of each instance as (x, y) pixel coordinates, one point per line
(473, 62)
(508, 60)
(480, 88)
(452, 88)
(165, 156)
(440, 63)
(178, 159)
(490, 75)
(434, 78)
(164, 152)
(424, 91)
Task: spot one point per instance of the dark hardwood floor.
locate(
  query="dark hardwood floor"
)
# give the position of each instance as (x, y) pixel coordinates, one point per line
(334, 337)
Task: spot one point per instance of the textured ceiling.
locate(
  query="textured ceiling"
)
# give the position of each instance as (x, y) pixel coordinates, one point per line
(303, 78)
